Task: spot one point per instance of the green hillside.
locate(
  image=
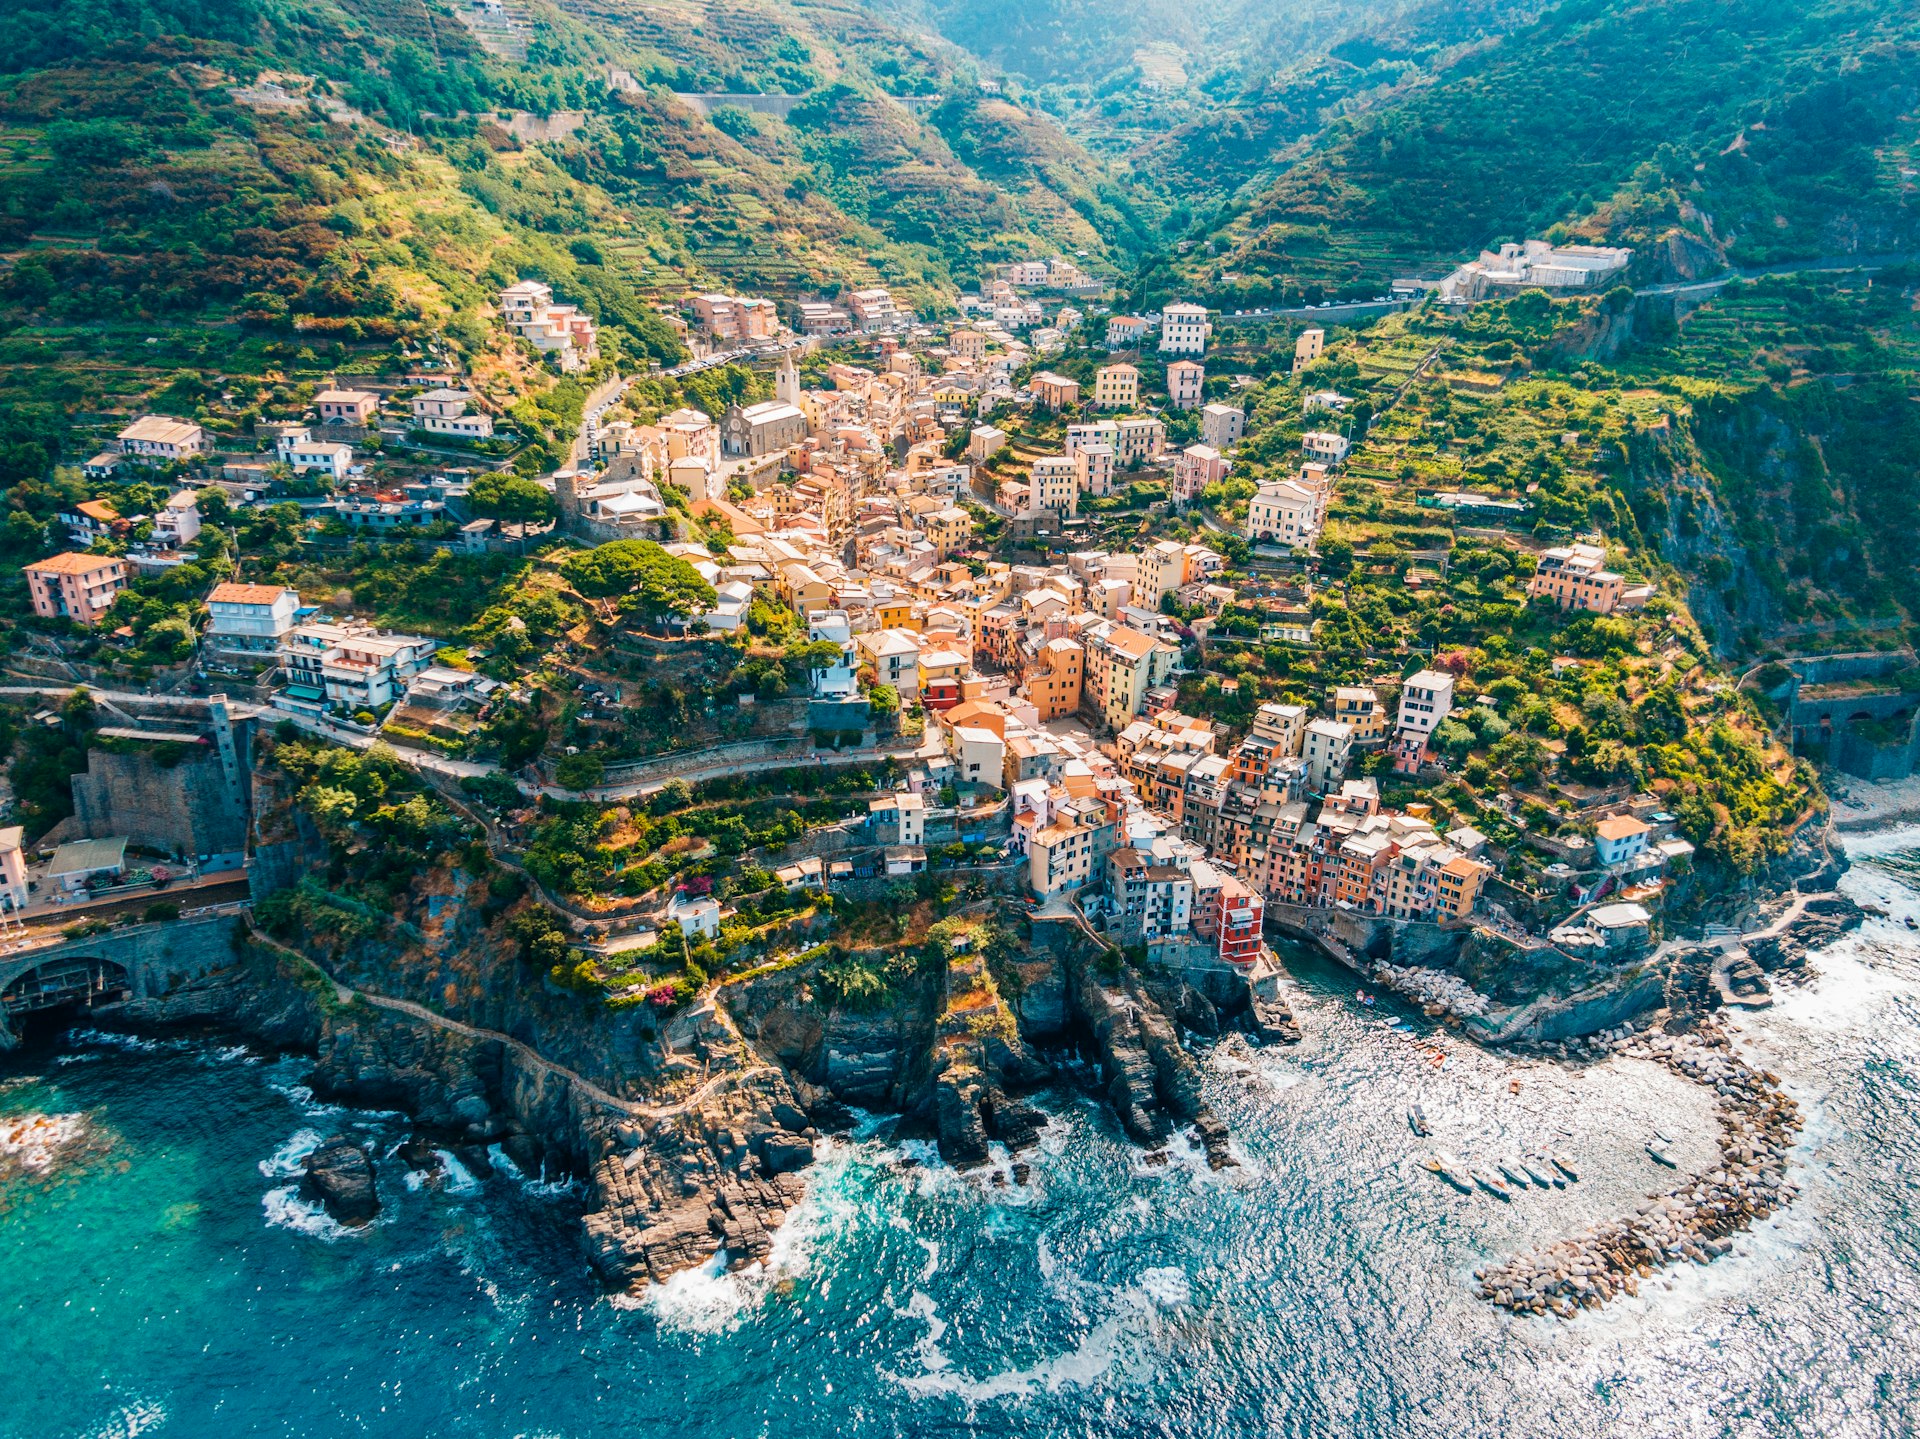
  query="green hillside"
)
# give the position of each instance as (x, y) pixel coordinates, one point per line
(1769, 130)
(200, 202)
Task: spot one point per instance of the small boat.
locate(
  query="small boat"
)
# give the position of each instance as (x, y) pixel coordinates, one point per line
(1451, 1170)
(1564, 1165)
(1491, 1182)
(1540, 1172)
(1417, 1117)
(1660, 1155)
(1911, 924)
(1363, 997)
(1515, 1171)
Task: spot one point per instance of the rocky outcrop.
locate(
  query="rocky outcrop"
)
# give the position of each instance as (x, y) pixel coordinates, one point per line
(340, 1175)
(720, 1174)
(1818, 924)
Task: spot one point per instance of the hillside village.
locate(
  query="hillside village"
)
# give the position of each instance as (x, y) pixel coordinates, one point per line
(1101, 640)
(932, 547)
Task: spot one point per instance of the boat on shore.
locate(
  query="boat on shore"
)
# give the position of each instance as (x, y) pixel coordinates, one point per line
(1564, 1165)
(1417, 1117)
(1515, 1172)
(1658, 1153)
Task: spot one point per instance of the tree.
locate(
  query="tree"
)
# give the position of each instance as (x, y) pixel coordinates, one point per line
(513, 498)
(580, 771)
(649, 580)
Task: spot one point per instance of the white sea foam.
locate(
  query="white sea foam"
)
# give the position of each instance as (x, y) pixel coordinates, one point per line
(1166, 1286)
(302, 1096)
(131, 1043)
(286, 1161)
(287, 1210)
(1097, 1354)
(131, 1421)
(543, 1188)
(33, 1141)
(460, 1179)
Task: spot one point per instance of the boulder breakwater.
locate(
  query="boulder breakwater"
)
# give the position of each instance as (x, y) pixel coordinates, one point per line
(1691, 1222)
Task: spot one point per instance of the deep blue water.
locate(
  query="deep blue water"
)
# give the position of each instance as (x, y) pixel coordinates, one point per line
(161, 1277)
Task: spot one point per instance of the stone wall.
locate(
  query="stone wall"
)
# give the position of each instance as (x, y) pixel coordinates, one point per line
(182, 808)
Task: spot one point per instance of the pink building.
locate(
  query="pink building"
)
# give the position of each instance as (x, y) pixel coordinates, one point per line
(78, 586)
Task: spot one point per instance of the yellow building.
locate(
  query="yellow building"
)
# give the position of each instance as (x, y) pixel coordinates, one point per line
(1116, 387)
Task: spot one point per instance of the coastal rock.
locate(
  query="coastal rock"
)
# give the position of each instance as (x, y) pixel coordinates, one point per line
(1014, 1124)
(1212, 1134)
(340, 1175)
(962, 1132)
(1269, 1017)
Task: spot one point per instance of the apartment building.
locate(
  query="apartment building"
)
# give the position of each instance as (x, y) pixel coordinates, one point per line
(1197, 467)
(1138, 439)
(1094, 468)
(349, 667)
(1053, 685)
(1122, 665)
(1325, 446)
(1360, 707)
(346, 407)
(1285, 512)
(1185, 380)
(76, 586)
(249, 622)
(1184, 329)
(1072, 848)
(160, 437)
(444, 412)
(732, 318)
(1054, 392)
(1327, 747)
(1575, 577)
(874, 310)
(1311, 345)
(1116, 386)
(1056, 485)
(1222, 426)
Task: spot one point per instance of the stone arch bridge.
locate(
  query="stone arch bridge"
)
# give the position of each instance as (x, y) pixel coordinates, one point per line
(136, 962)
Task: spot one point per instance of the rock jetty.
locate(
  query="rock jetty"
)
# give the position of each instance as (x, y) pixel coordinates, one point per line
(1695, 1220)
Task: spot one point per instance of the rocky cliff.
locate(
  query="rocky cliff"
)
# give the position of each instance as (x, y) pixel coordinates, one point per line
(690, 1130)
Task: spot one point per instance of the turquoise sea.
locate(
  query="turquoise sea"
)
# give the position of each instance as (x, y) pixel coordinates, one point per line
(162, 1277)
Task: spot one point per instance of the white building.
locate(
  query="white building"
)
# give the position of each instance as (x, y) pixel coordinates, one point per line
(1425, 700)
(1184, 329)
(1327, 747)
(249, 621)
(1325, 446)
(350, 667)
(444, 412)
(178, 522)
(160, 437)
(1286, 512)
(305, 455)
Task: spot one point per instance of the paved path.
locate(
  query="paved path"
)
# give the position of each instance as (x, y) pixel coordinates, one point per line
(526, 1053)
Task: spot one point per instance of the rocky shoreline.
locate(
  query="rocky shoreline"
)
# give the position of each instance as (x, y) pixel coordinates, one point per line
(1695, 1220)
